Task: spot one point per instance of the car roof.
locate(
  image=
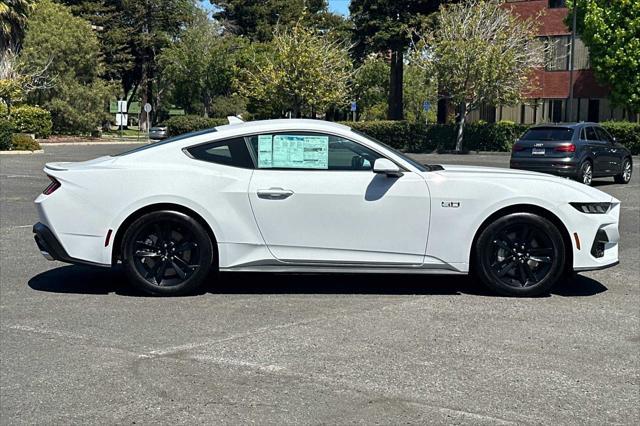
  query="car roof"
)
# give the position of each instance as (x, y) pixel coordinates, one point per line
(284, 123)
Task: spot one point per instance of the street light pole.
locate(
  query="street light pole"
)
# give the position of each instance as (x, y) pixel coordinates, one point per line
(571, 62)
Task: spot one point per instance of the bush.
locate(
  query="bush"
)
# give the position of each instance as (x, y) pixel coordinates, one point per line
(22, 142)
(626, 133)
(189, 123)
(6, 132)
(31, 119)
(420, 137)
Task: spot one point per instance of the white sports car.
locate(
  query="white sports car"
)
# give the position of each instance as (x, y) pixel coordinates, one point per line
(313, 196)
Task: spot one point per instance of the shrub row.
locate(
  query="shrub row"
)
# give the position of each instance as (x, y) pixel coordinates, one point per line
(420, 137)
(6, 132)
(30, 119)
(24, 142)
(189, 123)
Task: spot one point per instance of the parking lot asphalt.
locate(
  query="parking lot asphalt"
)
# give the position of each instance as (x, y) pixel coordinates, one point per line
(78, 346)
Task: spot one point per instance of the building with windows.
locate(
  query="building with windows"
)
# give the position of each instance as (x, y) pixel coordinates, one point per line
(549, 99)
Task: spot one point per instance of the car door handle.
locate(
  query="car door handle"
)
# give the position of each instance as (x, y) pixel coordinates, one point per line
(274, 193)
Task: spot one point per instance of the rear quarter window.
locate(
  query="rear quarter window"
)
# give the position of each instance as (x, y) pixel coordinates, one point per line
(230, 152)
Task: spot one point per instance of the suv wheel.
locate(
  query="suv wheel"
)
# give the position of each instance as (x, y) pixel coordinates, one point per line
(167, 253)
(586, 173)
(625, 175)
(521, 254)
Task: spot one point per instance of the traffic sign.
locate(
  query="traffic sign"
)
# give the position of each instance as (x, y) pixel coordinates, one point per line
(122, 106)
(426, 106)
(354, 106)
(147, 107)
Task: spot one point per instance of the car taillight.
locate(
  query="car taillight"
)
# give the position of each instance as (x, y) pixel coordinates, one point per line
(517, 148)
(565, 148)
(52, 186)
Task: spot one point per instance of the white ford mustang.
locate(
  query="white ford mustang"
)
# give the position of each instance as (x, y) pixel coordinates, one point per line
(314, 196)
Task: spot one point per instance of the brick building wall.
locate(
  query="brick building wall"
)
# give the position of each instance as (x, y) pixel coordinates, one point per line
(547, 100)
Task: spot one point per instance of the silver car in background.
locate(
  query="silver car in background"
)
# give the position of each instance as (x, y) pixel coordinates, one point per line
(158, 132)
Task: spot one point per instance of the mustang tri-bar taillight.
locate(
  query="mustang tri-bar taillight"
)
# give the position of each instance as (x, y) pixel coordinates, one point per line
(52, 186)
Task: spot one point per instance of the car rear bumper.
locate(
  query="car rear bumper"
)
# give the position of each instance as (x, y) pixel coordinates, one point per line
(554, 166)
(51, 248)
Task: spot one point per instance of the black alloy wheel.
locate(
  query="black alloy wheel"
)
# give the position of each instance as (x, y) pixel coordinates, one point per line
(167, 253)
(520, 254)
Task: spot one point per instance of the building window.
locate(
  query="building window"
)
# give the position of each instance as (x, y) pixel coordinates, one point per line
(555, 110)
(554, 4)
(558, 56)
(593, 111)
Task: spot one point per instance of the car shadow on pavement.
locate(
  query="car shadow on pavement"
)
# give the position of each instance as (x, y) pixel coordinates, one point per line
(96, 281)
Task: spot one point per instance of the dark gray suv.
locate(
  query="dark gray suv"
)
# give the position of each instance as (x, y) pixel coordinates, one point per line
(581, 151)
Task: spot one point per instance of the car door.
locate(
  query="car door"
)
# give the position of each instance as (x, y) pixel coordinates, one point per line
(612, 155)
(316, 200)
(599, 151)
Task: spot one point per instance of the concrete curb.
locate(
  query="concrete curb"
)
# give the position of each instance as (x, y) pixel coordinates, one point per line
(39, 151)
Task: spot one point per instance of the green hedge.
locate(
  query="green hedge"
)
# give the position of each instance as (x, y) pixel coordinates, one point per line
(628, 134)
(6, 132)
(479, 136)
(24, 142)
(32, 119)
(189, 123)
(420, 137)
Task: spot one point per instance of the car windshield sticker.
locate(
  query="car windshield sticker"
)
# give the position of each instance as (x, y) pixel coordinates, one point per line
(265, 151)
(293, 152)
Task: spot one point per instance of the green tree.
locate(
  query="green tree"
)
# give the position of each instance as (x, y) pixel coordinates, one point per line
(371, 88)
(257, 20)
(611, 31)
(480, 53)
(383, 26)
(200, 67)
(69, 49)
(301, 71)
(13, 20)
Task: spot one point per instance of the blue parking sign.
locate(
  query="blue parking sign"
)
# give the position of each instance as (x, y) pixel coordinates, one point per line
(353, 106)
(426, 106)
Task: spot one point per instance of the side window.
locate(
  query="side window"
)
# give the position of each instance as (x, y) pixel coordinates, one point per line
(231, 152)
(583, 136)
(603, 135)
(307, 150)
(591, 134)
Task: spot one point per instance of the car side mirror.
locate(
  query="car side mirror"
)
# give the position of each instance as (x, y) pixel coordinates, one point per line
(387, 167)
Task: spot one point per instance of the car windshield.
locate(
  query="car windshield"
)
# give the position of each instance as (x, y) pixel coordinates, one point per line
(166, 141)
(414, 163)
(548, 134)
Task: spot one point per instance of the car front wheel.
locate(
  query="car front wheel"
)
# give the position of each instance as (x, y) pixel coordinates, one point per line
(520, 254)
(167, 253)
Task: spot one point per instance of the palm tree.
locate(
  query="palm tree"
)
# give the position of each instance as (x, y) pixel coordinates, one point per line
(13, 20)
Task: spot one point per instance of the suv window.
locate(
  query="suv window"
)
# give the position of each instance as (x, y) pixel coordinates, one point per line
(603, 135)
(308, 150)
(230, 152)
(591, 134)
(548, 134)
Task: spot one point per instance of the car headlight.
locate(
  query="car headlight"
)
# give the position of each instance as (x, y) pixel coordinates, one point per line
(592, 208)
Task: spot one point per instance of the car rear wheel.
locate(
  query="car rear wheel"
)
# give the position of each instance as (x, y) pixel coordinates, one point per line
(625, 175)
(520, 254)
(167, 253)
(586, 173)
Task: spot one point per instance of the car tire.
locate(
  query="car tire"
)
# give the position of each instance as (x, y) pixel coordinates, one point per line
(520, 254)
(625, 176)
(585, 174)
(167, 253)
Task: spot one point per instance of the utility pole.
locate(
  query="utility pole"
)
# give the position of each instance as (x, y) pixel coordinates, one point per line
(569, 108)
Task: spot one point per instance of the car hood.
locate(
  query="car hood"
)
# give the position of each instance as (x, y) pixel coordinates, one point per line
(479, 172)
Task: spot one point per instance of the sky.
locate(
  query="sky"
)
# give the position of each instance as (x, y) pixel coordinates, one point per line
(336, 6)
(339, 6)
